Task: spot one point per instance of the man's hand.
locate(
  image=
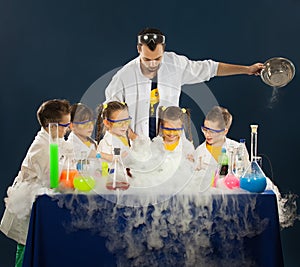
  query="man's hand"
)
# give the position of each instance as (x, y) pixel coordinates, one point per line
(255, 69)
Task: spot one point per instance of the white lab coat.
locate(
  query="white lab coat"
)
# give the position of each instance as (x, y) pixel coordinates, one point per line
(79, 146)
(179, 156)
(32, 180)
(184, 147)
(109, 142)
(206, 162)
(131, 86)
(166, 171)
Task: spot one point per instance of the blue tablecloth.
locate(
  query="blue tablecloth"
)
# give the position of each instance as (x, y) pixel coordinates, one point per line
(184, 230)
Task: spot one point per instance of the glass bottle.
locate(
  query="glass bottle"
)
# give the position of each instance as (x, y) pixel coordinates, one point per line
(117, 177)
(222, 168)
(241, 160)
(223, 163)
(230, 180)
(254, 179)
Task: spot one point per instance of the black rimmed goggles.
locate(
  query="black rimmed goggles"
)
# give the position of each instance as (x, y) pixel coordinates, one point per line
(151, 37)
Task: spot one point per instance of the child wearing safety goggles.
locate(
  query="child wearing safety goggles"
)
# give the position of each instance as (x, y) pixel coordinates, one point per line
(215, 128)
(33, 177)
(82, 127)
(171, 124)
(113, 122)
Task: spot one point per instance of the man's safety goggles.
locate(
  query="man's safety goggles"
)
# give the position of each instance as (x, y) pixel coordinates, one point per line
(154, 37)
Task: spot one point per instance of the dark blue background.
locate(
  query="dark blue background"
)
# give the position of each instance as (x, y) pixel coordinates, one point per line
(57, 49)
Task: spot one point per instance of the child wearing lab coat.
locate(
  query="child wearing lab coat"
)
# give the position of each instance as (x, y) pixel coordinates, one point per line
(215, 128)
(33, 178)
(82, 127)
(172, 122)
(113, 121)
(176, 157)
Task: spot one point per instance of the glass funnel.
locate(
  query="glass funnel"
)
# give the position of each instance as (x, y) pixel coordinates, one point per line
(230, 180)
(254, 179)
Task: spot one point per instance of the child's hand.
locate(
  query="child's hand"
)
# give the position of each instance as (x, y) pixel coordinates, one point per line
(124, 154)
(131, 134)
(190, 158)
(199, 164)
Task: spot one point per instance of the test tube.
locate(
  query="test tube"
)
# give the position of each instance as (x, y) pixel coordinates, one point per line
(53, 155)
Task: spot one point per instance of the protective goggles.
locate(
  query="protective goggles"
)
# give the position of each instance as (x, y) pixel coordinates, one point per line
(120, 123)
(154, 37)
(84, 124)
(207, 130)
(64, 124)
(174, 131)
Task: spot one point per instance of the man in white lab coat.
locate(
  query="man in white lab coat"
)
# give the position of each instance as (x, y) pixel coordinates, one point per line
(155, 78)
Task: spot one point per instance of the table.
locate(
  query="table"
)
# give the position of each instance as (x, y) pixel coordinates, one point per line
(184, 230)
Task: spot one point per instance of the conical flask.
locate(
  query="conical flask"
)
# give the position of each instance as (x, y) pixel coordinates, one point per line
(230, 180)
(117, 177)
(84, 181)
(254, 179)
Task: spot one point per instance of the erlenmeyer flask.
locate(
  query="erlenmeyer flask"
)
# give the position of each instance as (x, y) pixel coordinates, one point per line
(230, 180)
(117, 177)
(254, 179)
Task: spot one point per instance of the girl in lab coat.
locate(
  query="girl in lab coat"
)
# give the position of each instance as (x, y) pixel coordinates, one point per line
(171, 124)
(82, 127)
(176, 151)
(113, 121)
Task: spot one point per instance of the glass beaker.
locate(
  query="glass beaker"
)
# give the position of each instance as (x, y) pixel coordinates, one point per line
(254, 179)
(53, 155)
(68, 173)
(230, 180)
(117, 176)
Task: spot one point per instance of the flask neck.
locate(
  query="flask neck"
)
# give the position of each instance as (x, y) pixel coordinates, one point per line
(253, 146)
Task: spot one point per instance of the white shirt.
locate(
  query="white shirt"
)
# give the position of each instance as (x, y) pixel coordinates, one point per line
(131, 86)
(205, 160)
